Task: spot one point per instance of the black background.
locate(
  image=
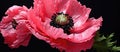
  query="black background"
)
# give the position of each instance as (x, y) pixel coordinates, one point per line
(108, 9)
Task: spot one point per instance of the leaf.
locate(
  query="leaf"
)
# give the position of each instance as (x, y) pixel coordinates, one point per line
(109, 44)
(104, 44)
(114, 48)
(101, 38)
(111, 35)
(98, 38)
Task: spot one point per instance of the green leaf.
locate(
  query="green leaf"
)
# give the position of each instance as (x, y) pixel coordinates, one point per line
(104, 44)
(109, 44)
(115, 48)
(98, 38)
(101, 38)
(111, 35)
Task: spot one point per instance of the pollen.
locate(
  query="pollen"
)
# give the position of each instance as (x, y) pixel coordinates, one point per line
(61, 20)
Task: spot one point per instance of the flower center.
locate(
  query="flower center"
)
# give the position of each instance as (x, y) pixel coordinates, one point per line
(14, 24)
(61, 20)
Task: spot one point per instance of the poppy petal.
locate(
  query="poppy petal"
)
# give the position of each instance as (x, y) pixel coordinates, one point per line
(67, 46)
(78, 12)
(86, 31)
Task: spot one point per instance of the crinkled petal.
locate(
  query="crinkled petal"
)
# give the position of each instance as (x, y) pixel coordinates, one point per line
(11, 12)
(86, 31)
(63, 5)
(36, 34)
(39, 9)
(68, 46)
(49, 7)
(23, 35)
(78, 12)
(14, 10)
(15, 38)
(36, 23)
(44, 8)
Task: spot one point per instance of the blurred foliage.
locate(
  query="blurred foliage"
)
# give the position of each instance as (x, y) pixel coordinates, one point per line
(105, 44)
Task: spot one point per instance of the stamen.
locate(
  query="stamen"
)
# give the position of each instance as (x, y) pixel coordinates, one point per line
(63, 21)
(14, 24)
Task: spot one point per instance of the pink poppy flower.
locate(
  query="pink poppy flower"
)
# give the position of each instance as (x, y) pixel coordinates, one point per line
(63, 24)
(13, 27)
